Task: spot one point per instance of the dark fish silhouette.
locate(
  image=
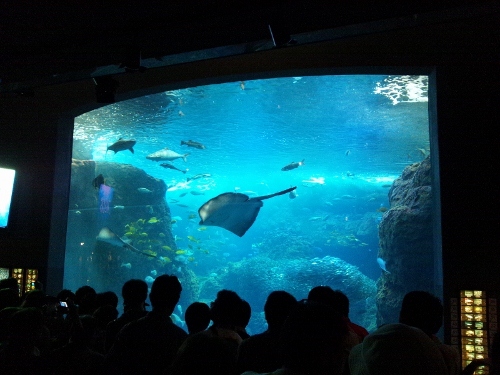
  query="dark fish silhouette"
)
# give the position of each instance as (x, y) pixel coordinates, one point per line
(235, 212)
(194, 144)
(121, 145)
(293, 165)
(98, 181)
(170, 166)
(108, 236)
(197, 176)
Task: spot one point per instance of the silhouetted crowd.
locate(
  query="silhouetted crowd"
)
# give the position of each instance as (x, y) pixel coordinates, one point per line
(82, 333)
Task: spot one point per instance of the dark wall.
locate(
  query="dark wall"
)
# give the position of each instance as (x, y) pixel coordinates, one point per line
(464, 55)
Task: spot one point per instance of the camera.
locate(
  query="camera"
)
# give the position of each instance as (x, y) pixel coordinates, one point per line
(63, 304)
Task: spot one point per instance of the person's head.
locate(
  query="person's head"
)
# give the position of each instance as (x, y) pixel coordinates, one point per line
(165, 293)
(85, 298)
(242, 319)
(8, 298)
(225, 308)
(107, 298)
(333, 298)
(197, 317)
(134, 293)
(277, 308)
(313, 339)
(65, 295)
(34, 298)
(395, 349)
(422, 310)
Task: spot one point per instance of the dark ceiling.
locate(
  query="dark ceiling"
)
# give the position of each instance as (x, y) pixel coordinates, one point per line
(42, 41)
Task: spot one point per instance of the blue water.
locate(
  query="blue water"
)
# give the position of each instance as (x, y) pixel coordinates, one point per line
(355, 134)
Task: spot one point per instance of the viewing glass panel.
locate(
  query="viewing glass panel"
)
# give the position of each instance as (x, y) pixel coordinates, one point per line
(361, 218)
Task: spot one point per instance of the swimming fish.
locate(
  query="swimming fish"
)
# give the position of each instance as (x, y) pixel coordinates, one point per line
(98, 181)
(170, 166)
(108, 236)
(194, 144)
(196, 192)
(381, 264)
(121, 145)
(293, 165)
(166, 155)
(197, 176)
(126, 265)
(144, 190)
(293, 194)
(149, 279)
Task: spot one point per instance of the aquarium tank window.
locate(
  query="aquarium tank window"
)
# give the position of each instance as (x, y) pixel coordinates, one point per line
(259, 185)
(6, 187)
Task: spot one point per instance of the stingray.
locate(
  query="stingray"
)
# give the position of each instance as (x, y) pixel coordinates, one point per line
(235, 212)
(108, 236)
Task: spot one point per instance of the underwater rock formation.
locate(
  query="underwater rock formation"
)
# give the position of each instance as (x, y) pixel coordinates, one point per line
(137, 213)
(254, 278)
(406, 241)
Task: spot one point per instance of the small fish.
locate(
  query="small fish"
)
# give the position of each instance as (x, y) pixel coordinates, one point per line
(196, 192)
(181, 113)
(194, 144)
(347, 196)
(144, 190)
(121, 145)
(176, 218)
(98, 181)
(347, 152)
(167, 248)
(183, 194)
(162, 235)
(199, 175)
(179, 308)
(119, 207)
(381, 264)
(191, 238)
(202, 228)
(153, 220)
(154, 272)
(180, 252)
(387, 186)
(242, 85)
(165, 260)
(149, 279)
(126, 265)
(293, 165)
(192, 216)
(293, 194)
(170, 166)
(166, 155)
(382, 209)
(349, 174)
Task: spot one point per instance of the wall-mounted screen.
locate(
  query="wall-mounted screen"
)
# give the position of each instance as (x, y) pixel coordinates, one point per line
(184, 182)
(6, 187)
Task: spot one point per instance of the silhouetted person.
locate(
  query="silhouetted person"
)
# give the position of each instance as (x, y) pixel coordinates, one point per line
(78, 357)
(149, 344)
(312, 341)
(10, 283)
(242, 319)
(20, 355)
(85, 298)
(395, 349)
(222, 313)
(204, 354)
(261, 352)
(106, 298)
(134, 293)
(197, 317)
(9, 298)
(425, 311)
(338, 301)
